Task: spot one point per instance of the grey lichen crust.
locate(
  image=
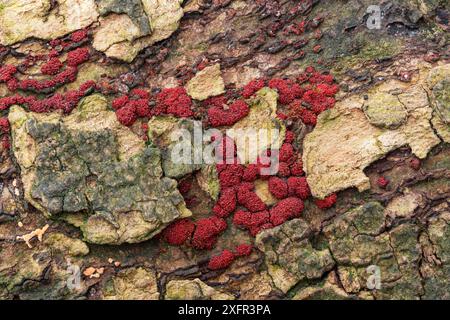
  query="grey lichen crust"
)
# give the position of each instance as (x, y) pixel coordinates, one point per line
(75, 168)
(290, 255)
(132, 8)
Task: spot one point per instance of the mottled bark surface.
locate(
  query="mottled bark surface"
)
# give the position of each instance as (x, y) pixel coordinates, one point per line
(391, 121)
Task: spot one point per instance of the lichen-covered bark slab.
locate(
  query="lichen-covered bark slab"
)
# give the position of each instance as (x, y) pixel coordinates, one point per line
(132, 284)
(119, 36)
(206, 83)
(356, 133)
(193, 290)
(121, 28)
(95, 173)
(290, 255)
(260, 129)
(23, 19)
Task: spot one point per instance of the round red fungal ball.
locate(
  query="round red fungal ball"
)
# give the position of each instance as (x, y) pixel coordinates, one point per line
(283, 170)
(174, 101)
(252, 87)
(243, 250)
(317, 77)
(286, 153)
(250, 173)
(297, 111)
(127, 115)
(288, 90)
(79, 35)
(382, 182)
(226, 203)
(120, 102)
(77, 56)
(7, 72)
(222, 261)
(206, 232)
(179, 232)
(328, 90)
(4, 125)
(52, 67)
(90, 84)
(326, 203)
(298, 186)
(140, 93)
(297, 168)
(13, 84)
(278, 187)
(231, 175)
(55, 42)
(218, 116)
(249, 199)
(309, 117)
(286, 209)
(53, 53)
(241, 218)
(290, 137)
(142, 108)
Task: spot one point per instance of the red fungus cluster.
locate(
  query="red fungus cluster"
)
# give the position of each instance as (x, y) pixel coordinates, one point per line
(227, 115)
(226, 257)
(65, 102)
(306, 97)
(206, 232)
(286, 209)
(253, 222)
(7, 72)
(129, 108)
(174, 101)
(179, 232)
(77, 56)
(52, 67)
(226, 203)
(171, 101)
(79, 35)
(252, 87)
(382, 182)
(248, 198)
(326, 203)
(278, 187)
